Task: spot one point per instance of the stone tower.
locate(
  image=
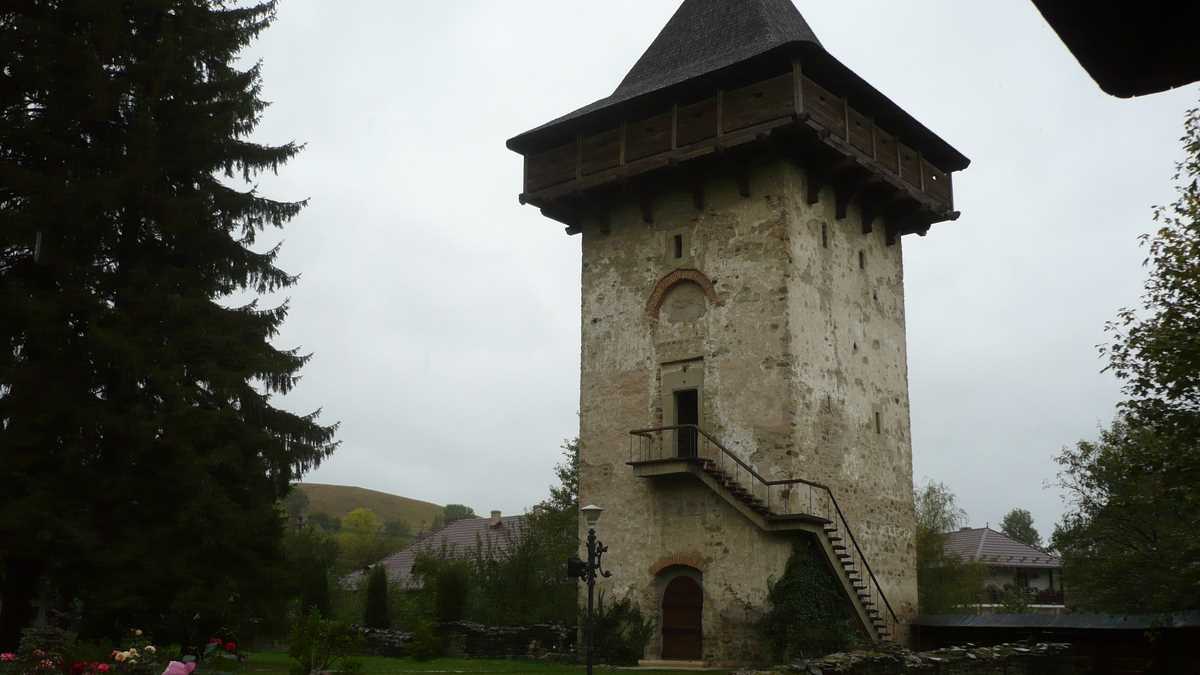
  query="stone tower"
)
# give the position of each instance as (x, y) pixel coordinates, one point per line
(742, 198)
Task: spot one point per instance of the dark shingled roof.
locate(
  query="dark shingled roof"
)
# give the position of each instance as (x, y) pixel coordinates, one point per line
(457, 540)
(710, 38)
(996, 549)
(705, 36)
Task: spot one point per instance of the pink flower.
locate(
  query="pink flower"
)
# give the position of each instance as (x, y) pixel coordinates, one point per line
(179, 668)
(231, 646)
(103, 668)
(8, 657)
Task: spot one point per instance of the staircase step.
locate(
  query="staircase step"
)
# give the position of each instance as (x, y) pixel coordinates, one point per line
(833, 529)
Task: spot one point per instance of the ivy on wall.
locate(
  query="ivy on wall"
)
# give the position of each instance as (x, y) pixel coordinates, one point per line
(808, 612)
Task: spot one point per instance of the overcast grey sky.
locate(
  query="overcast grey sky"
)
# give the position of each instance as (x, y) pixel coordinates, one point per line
(445, 317)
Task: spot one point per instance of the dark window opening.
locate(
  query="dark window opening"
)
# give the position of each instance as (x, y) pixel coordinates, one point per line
(678, 246)
(862, 260)
(687, 416)
(824, 235)
(878, 424)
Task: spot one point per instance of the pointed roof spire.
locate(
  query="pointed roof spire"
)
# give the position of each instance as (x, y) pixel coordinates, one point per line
(710, 44)
(705, 36)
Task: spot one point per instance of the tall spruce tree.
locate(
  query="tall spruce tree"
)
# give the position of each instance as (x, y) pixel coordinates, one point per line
(141, 455)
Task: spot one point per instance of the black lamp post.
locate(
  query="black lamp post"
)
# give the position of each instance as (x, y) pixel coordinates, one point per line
(588, 571)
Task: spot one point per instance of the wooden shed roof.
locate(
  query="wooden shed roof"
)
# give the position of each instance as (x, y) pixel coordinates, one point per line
(727, 41)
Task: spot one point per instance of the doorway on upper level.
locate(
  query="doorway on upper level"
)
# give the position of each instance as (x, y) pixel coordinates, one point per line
(687, 418)
(682, 402)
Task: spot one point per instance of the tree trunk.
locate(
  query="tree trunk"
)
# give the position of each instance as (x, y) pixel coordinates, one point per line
(17, 592)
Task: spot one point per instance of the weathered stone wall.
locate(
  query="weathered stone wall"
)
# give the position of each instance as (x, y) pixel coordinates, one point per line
(783, 386)
(850, 369)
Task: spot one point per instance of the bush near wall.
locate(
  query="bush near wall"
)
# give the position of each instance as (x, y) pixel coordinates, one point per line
(808, 613)
(1006, 659)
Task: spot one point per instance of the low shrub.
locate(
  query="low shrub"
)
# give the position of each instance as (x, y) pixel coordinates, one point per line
(319, 645)
(426, 644)
(620, 632)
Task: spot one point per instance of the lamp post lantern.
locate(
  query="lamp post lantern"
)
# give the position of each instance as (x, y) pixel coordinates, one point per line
(588, 571)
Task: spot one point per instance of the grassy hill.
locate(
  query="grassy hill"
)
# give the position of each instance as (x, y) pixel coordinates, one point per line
(337, 501)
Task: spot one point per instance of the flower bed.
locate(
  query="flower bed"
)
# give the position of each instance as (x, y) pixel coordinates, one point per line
(51, 651)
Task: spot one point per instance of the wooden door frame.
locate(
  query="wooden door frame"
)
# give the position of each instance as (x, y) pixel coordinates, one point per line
(668, 578)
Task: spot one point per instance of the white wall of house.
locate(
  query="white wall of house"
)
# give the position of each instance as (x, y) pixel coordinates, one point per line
(1038, 579)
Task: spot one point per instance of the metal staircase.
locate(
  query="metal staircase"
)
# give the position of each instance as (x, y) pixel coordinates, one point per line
(792, 504)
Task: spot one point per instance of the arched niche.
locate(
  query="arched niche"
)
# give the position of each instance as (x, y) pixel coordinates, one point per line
(683, 289)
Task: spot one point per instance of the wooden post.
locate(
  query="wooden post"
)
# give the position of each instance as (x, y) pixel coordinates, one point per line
(624, 136)
(675, 126)
(846, 116)
(578, 156)
(720, 114)
(646, 204)
(798, 86)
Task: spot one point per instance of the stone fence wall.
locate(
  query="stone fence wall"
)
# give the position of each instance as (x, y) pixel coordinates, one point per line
(1007, 659)
(463, 639)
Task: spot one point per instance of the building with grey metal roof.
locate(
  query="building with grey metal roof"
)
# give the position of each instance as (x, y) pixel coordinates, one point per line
(1010, 564)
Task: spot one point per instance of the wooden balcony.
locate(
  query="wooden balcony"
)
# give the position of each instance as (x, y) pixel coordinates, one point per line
(794, 115)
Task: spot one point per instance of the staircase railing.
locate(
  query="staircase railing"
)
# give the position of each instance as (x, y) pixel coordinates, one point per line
(780, 498)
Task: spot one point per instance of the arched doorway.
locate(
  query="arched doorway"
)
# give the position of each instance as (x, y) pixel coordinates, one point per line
(682, 631)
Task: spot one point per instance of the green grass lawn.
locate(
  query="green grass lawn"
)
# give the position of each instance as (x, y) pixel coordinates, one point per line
(276, 663)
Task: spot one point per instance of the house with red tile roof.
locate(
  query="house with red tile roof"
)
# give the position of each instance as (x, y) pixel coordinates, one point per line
(492, 537)
(1010, 564)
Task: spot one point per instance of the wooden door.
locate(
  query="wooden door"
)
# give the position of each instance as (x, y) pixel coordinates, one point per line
(682, 631)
